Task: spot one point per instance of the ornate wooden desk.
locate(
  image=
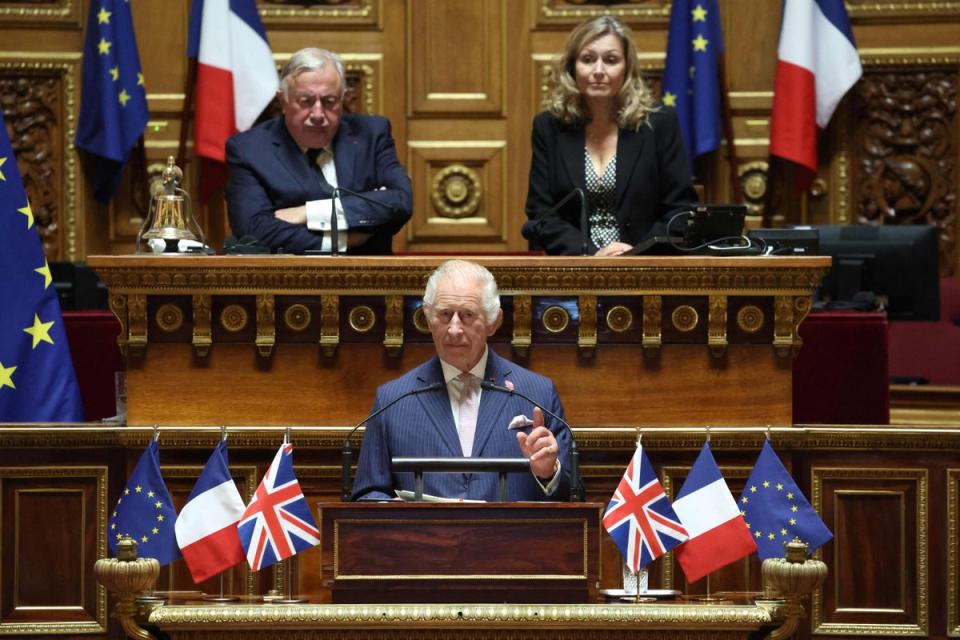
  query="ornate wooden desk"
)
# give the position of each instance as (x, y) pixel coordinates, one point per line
(291, 340)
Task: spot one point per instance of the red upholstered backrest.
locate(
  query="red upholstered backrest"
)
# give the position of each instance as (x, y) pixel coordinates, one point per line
(930, 350)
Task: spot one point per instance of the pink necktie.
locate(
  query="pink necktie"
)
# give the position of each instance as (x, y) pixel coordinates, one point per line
(469, 406)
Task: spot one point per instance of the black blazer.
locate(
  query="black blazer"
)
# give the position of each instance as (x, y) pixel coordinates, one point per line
(653, 179)
(269, 172)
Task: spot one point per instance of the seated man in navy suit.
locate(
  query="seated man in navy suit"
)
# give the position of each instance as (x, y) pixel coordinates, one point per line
(462, 308)
(283, 172)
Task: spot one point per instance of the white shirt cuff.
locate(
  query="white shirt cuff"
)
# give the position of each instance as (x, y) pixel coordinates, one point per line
(551, 487)
(318, 219)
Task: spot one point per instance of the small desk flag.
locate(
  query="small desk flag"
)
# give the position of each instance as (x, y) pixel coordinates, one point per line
(37, 380)
(113, 105)
(145, 512)
(776, 510)
(639, 517)
(277, 523)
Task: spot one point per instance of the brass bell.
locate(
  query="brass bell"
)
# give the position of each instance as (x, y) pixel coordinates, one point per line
(170, 216)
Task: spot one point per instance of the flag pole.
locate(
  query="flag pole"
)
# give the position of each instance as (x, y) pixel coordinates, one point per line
(189, 91)
(736, 189)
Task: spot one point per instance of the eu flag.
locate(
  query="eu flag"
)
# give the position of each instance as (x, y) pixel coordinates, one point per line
(776, 511)
(113, 109)
(37, 381)
(691, 80)
(145, 512)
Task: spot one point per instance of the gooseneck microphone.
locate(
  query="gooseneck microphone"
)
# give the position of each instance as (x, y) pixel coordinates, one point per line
(346, 451)
(576, 487)
(531, 228)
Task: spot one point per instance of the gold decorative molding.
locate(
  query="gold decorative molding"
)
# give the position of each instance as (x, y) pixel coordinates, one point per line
(55, 13)
(522, 318)
(684, 318)
(953, 553)
(97, 624)
(587, 329)
(393, 318)
(297, 317)
(266, 324)
(362, 318)
(750, 318)
(118, 305)
(234, 318)
(652, 336)
(137, 317)
(420, 321)
(619, 319)
(456, 191)
(920, 479)
(202, 336)
(71, 188)
(565, 12)
(717, 325)
(169, 318)
(278, 14)
(870, 9)
(329, 323)
(555, 319)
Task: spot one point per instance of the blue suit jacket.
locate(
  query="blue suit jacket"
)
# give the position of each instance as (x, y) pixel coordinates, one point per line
(423, 426)
(269, 172)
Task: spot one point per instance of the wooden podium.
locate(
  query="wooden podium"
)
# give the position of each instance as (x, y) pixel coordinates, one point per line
(461, 552)
(284, 340)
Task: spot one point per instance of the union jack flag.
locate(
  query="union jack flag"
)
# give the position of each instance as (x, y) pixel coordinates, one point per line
(277, 523)
(639, 517)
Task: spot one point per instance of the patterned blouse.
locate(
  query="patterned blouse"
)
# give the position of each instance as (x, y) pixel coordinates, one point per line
(601, 191)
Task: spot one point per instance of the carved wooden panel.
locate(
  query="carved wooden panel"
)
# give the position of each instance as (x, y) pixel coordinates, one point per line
(906, 136)
(459, 192)
(953, 552)
(456, 56)
(36, 97)
(861, 595)
(47, 13)
(37, 503)
(563, 13)
(864, 10)
(296, 14)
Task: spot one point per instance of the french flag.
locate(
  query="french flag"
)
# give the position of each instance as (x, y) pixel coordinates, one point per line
(207, 525)
(236, 75)
(817, 63)
(718, 533)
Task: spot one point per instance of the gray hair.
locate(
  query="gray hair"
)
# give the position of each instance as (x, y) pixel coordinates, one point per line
(489, 295)
(310, 59)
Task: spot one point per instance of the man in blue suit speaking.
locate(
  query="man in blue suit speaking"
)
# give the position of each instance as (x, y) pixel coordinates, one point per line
(283, 172)
(462, 308)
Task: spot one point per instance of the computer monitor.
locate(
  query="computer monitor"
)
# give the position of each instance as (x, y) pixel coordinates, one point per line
(896, 264)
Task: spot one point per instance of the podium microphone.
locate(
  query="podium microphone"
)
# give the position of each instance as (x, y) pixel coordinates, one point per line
(576, 487)
(346, 451)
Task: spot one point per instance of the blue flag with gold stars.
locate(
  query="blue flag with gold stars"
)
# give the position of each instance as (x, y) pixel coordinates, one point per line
(37, 381)
(113, 108)
(145, 512)
(776, 511)
(691, 80)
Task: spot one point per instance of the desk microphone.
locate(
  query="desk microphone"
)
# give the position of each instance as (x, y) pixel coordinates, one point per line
(531, 228)
(576, 488)
(346, 451)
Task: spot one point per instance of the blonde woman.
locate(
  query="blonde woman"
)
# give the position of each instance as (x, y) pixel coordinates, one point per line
(602, 131)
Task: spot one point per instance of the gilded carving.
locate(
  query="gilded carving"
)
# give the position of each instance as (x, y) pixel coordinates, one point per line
(685, 318)
(717, 325)
(908, 172)
(393, 336)
(420, 321)
(619, 319)
(266, 324)
(587, 331)
(297, 317)
(39, 100)
(234, 318)
(362, 319)
(137, 317)
(577, 10)
(329, 323)
(522, 318)
(753, 180)
(285, 13)
(65, 13)
(652, 310)
(555, 319)
(118, 305)
(202, 336)
(783, 325)
(750, 318)
(953, 552)
(456, 191)
(169, 318)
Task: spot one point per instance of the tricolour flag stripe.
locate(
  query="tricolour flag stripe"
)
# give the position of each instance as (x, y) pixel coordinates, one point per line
(718, 547)
(702, 510)
(208, 513)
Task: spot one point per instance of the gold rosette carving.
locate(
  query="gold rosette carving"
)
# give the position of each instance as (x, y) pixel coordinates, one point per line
(169, 318)
(362, 319)
(619, 319)
(297, 317)
(456, 191)
(555, 319)
(750, 318)
(234, 318)
(685, 318)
